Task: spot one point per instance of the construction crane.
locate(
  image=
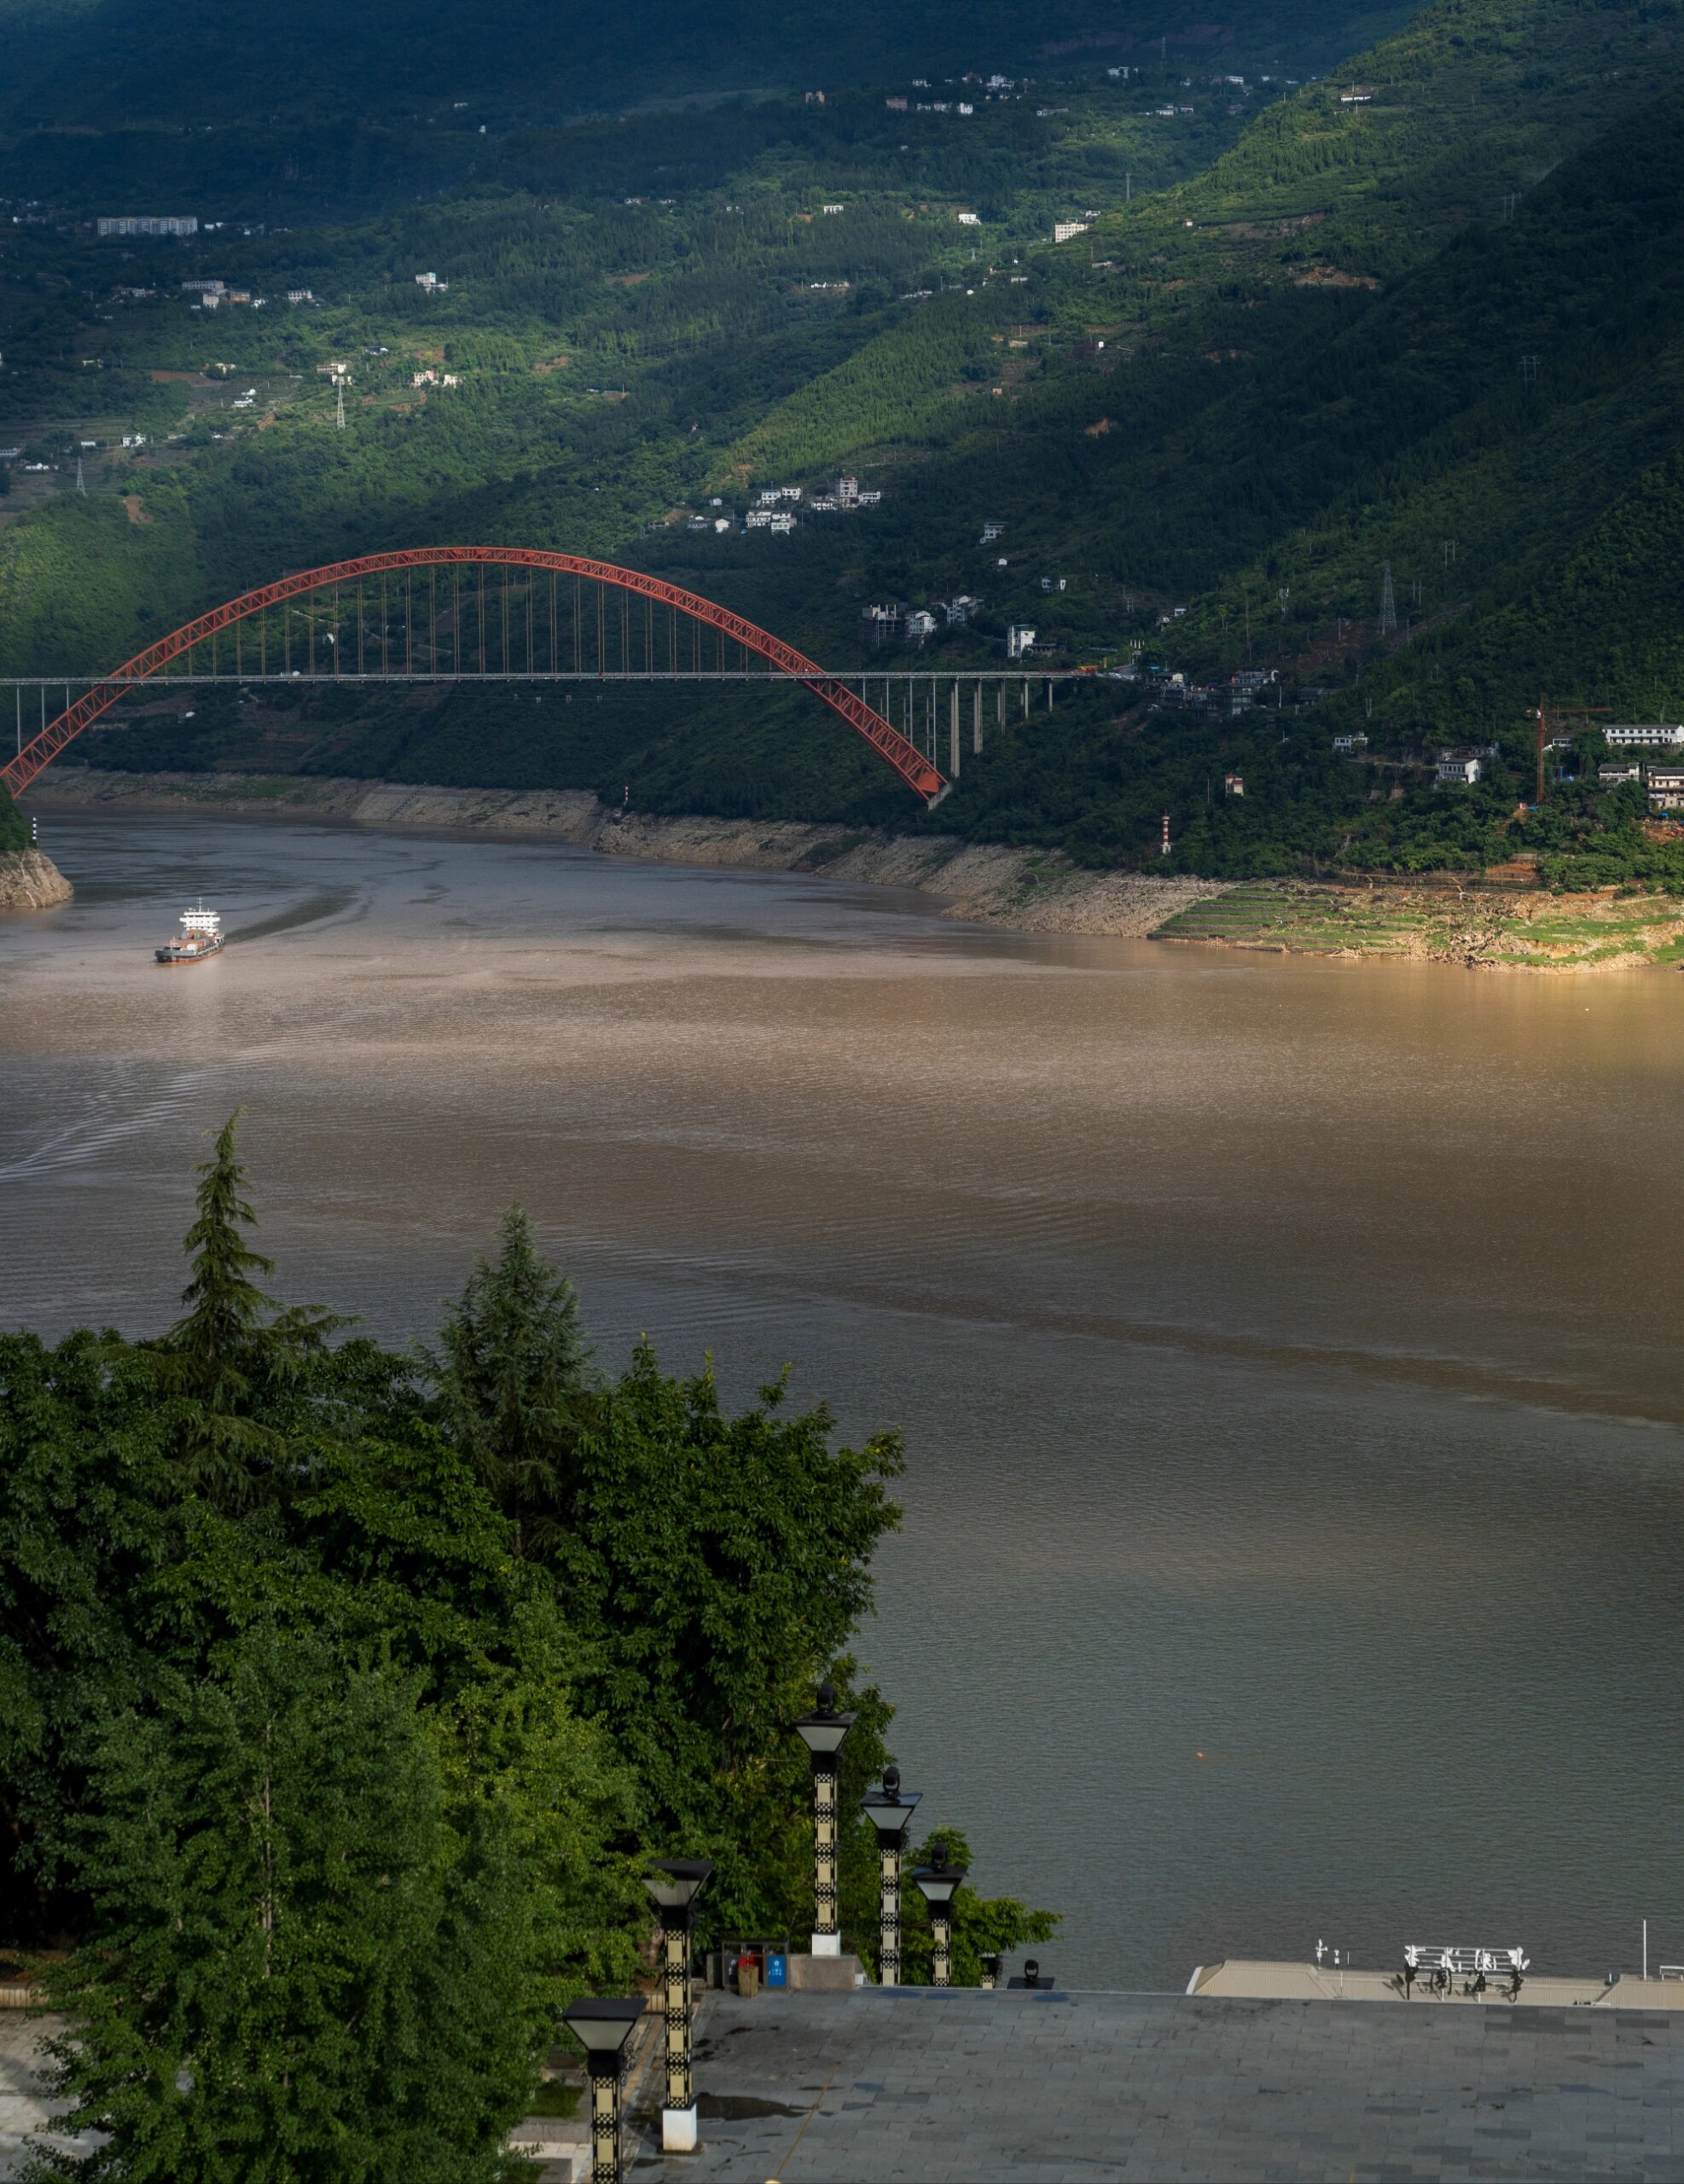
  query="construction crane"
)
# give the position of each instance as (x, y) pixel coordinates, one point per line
(1549, 714)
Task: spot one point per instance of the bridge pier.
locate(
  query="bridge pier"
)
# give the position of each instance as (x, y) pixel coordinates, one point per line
(953, 738)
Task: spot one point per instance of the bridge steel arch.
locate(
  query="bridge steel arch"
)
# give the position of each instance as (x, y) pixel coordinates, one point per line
(890, 745)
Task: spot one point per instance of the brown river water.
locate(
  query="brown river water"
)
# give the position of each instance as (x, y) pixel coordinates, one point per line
(1288, 1351)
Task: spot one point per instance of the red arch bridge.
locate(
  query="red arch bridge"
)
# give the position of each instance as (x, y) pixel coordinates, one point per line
(431, 614)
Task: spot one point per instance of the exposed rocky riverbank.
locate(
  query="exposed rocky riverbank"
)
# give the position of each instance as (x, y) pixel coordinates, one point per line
(30, 881)
(1033, 891)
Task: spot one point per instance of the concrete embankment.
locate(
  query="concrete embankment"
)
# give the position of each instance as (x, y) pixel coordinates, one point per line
(30, 881)
(1032, 891)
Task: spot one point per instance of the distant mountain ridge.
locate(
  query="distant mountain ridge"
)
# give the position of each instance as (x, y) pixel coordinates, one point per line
(223, 63)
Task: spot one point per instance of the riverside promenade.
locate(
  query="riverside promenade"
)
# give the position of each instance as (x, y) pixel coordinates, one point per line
(921, 2086)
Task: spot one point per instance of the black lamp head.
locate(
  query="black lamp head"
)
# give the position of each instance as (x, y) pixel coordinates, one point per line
(676, 1883)
(602, 2024)
(824, 1731)
(939, 1881)
(890, 1810)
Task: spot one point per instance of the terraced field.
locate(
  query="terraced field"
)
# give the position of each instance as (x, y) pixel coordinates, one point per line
(1602, 932)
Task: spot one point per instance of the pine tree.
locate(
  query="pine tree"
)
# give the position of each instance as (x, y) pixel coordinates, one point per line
(511, 1372)
(233, 1344)
(220, 1334)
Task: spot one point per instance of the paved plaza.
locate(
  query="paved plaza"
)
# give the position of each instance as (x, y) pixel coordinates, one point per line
(966, 2088)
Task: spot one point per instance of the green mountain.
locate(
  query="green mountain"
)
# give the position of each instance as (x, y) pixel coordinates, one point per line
(1413, 320)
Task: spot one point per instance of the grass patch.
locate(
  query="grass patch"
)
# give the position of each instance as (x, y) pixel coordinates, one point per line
(1522, 932)
(555, 2097)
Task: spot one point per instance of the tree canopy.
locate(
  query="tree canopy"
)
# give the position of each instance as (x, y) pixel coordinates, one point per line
(344, 1692)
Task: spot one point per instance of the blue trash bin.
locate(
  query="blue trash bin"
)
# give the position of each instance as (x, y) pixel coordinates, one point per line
(777, 1968)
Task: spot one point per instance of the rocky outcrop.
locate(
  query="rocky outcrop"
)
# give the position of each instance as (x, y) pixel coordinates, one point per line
(1034, 891)
(30, 881)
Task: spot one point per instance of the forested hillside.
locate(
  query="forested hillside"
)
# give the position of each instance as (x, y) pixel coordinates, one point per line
(1413, 319)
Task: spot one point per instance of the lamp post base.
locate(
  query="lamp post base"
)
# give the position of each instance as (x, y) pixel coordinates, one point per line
(678, 2130)
(827, 1944)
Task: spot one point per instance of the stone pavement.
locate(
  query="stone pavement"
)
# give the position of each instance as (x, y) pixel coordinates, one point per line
(22, 2110)
(917, 2087)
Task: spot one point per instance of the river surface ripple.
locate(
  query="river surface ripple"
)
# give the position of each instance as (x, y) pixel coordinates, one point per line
(1287, 1351)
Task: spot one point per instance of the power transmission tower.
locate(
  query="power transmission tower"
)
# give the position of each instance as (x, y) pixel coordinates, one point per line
(81, 483)
(1388, 604)
(338, 385)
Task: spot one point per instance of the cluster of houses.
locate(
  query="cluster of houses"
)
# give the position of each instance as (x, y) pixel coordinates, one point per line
(169, 223)
(990, 87)
(1237, 695)
(212, 295)
(1632, 767)
(1662, 776)
(915, 624)
(774, 506)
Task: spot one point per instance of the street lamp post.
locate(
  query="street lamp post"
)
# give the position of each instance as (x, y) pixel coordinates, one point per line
(675, 1885)
(823, 1733)
(938, 1883)
(602, 2024)
(888, 1810)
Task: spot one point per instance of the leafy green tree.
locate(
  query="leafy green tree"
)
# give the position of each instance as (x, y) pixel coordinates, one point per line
(983, 1926)
(714, 1566)
(304, 1963)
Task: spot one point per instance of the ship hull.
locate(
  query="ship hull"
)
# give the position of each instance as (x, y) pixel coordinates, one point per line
(171, 954)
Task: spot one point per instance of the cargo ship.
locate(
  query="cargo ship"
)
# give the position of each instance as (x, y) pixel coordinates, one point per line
(200, 936)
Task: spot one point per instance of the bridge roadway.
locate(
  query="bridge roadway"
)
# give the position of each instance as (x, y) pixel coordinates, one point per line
(850, 675)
